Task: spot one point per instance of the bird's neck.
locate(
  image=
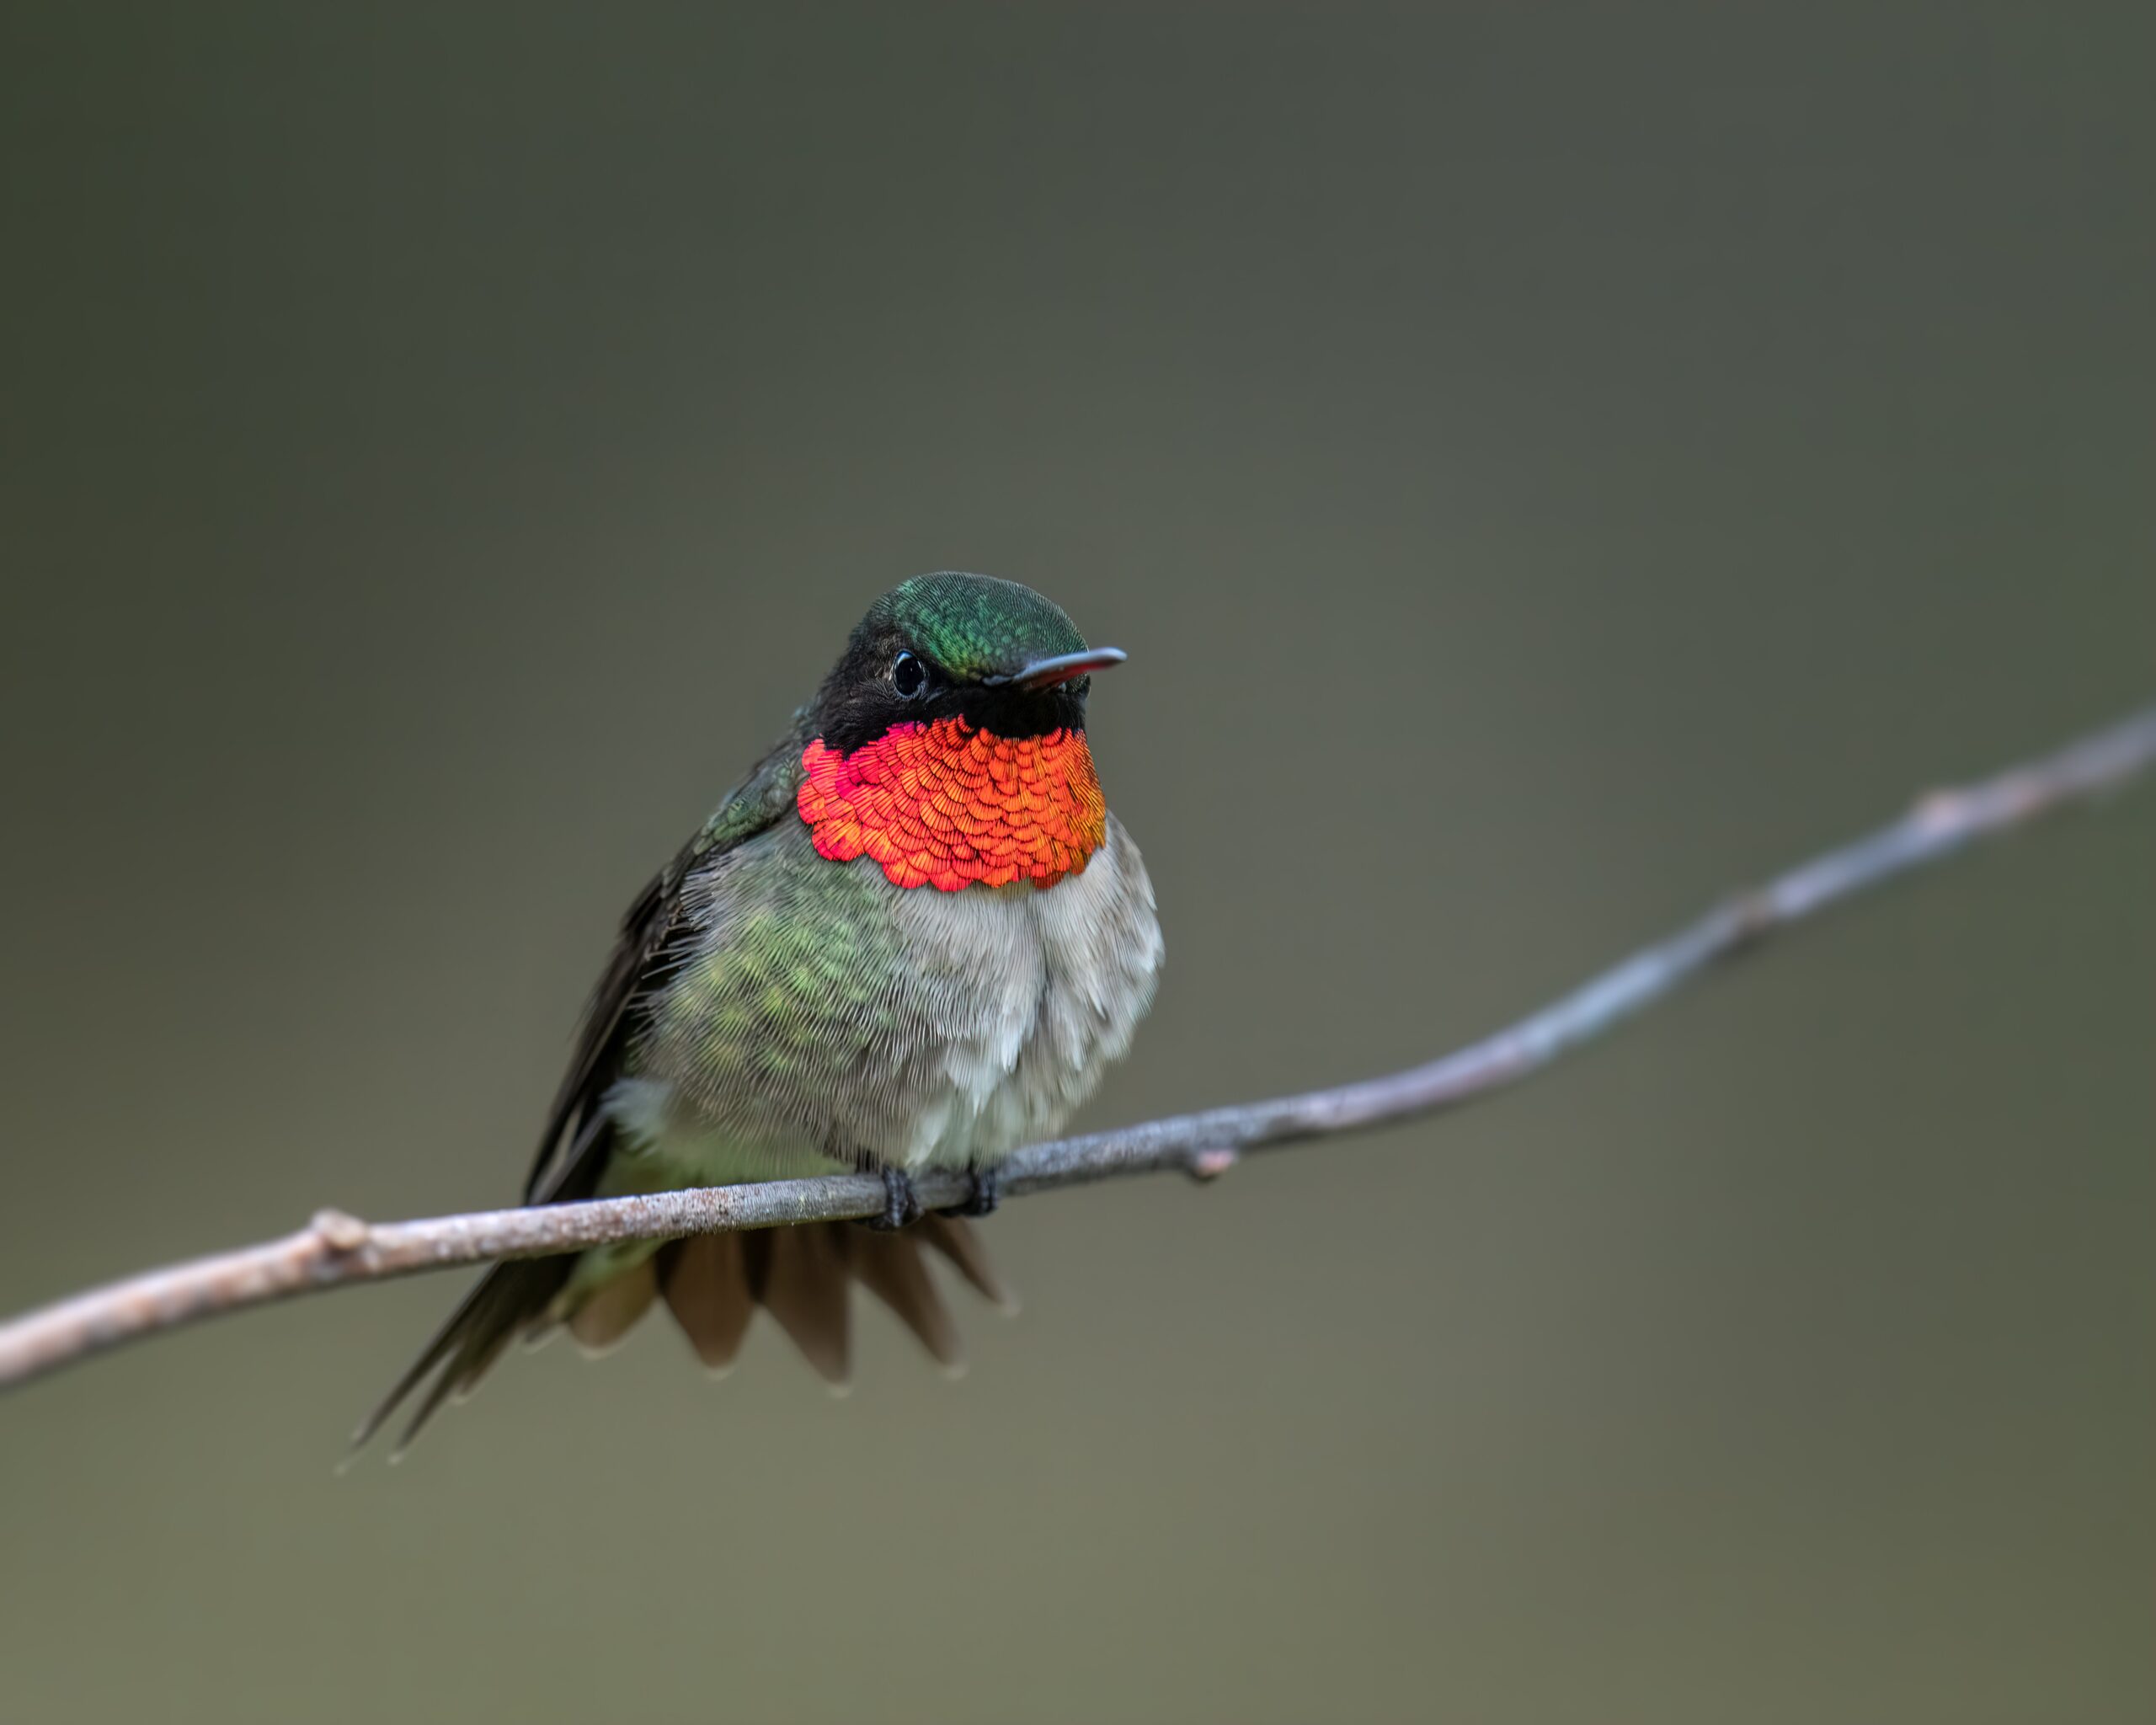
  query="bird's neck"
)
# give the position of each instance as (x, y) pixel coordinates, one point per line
(946, 806)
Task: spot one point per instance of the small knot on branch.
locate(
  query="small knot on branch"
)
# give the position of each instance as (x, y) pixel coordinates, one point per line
(1938, 813)
(338, 1229)
(1210, 1164)
(1753, 915)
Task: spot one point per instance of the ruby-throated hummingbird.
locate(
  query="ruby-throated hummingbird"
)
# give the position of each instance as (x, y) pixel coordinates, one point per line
(912, 937)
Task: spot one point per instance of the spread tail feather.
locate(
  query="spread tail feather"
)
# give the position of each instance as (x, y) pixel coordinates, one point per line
(612, 1311)
(799, 1276)
(891, 1267)
(961, 1248)
(706, 1282)
(712, 1284)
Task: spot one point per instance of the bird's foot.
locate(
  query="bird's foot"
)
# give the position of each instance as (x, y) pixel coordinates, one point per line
(987, 1193)
(901, 1203)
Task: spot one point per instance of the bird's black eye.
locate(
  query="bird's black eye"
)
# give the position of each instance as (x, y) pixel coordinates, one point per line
(909, 675)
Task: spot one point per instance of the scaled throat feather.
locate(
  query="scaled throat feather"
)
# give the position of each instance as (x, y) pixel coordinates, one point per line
(947, 805)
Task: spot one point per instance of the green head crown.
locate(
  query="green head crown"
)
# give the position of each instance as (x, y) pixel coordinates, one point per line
(988, 651)
(974, 625)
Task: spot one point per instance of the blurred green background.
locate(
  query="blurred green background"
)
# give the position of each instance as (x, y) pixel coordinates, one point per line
(1549, 465)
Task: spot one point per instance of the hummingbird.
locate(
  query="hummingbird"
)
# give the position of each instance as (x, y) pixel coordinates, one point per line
(912, 937)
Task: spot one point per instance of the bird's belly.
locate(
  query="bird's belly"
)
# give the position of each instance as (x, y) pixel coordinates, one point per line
(1057, 978)
(948, 1029)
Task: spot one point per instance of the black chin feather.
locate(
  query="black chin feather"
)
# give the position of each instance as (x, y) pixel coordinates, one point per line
(858, 702)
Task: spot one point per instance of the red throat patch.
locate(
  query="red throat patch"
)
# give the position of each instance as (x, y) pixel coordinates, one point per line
(945, 805)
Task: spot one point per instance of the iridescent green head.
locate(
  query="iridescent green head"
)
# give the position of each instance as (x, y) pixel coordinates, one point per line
(990, 651)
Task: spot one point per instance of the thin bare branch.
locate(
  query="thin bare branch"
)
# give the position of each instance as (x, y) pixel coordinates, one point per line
(335, 1250)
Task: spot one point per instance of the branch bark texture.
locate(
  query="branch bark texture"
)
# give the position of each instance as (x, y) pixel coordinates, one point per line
(335, 1250)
